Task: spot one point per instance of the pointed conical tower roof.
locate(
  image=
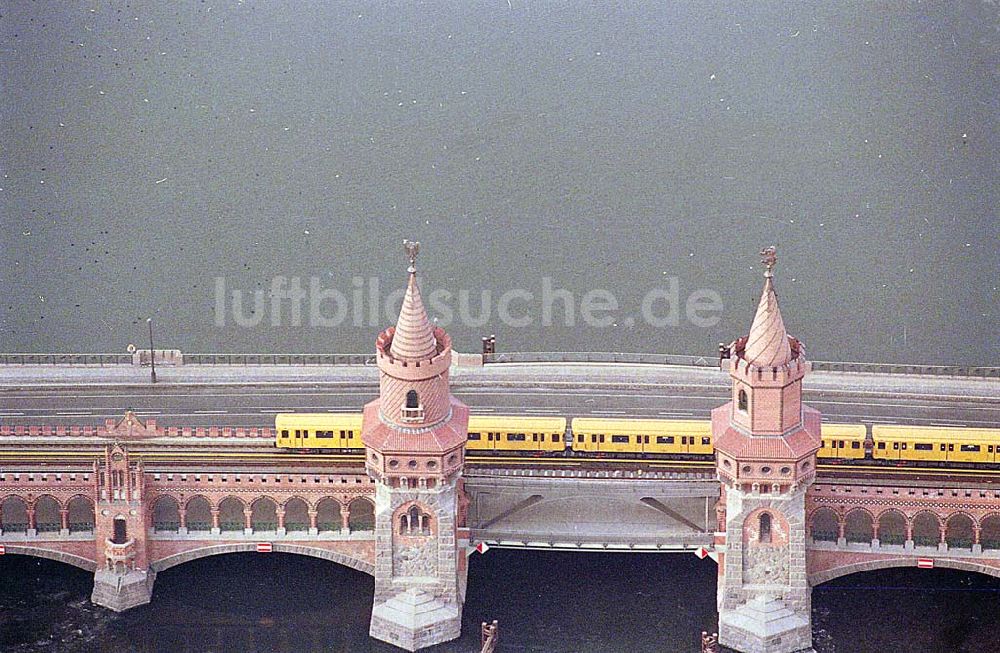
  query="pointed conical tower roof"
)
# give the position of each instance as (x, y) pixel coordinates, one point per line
(767, 345)
(413, 338)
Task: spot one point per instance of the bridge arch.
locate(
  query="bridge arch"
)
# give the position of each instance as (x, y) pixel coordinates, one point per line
(821, 577)
(250, 547)
(59, 556)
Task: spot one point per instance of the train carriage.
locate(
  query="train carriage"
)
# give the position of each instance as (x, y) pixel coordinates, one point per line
(510, 433)
(843, 441)
(659, 436)
(318, 430)
(941, 444)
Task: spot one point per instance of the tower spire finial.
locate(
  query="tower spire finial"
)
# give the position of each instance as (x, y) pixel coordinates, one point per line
(769, 257)
(412, 248)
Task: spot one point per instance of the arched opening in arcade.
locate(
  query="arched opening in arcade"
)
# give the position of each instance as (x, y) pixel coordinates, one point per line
(296, 516)
(198, 515)
(742, 400)
(231, 517)
(47, 515)
(825, 525)
(166, 515)
(960, 532)
(926, 529)
(81, 515)
(14, 515)
(989, 532)
(328, 516)
(362, 515)
(859, 527)
(892, 528)
(264, 515)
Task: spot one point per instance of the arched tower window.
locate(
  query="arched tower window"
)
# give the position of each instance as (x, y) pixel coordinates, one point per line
(742, 400)
(765, 528)
(412, 410)
(120, 535)
(414, 522)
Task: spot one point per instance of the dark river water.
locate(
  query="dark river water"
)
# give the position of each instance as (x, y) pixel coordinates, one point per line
(545, 603)
(155, 154)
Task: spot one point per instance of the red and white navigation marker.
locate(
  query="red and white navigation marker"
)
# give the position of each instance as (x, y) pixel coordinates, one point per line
(925, 563)
(3, 549)
(703, 553)
(482, 547)
(264, 547)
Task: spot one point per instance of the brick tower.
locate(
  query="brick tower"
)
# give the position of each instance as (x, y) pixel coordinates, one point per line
(414, 436)
(765, 442)
(123, 579)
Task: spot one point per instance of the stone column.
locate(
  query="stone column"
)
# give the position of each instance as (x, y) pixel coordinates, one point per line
(345, 520)
(313, 529)
(943, 542)
(64, 521)
(32, 526)
(908, 544)
(977, 546)
(841, 527)
(215, 521)
(182, 513)
(280, 512)
(247, 527)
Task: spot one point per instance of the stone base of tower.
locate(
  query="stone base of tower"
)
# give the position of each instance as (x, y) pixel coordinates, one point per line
(415, 619)
(765, 625)
(120, 592)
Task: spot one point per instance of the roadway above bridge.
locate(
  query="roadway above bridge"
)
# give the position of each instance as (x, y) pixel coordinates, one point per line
(251, 395)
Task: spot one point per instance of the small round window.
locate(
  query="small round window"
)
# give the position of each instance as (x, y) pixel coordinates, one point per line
(765, 470)
(394, 463)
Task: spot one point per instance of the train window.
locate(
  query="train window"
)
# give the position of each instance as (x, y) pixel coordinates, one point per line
(990, 449)
(579, 437)
(593, 437)
(298, 433)
(923, 446)
(706, 440)
(601, 437)
(555, 437)
(895, 445)
(619, 439)
(904, 446)
(284, 433)
(324, 434)
(840, 444)
(942, 447)
(474, 436)
(645, 439)
(664, 439)
(534, 437)
(969, 447)
(881, 445)
(343, 434)
(855, 445)
(515, 437)
(951, 447)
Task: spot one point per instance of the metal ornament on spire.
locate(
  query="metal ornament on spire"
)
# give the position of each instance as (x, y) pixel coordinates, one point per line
(412, 248)
(769, 257)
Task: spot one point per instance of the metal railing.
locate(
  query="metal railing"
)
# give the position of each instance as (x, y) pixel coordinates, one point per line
(279, 359)
(633, 358)
(713, 362)
(98, 360)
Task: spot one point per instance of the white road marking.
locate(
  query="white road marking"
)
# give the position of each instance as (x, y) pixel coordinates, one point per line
(211, 412)
(11, 414)
(74, 414)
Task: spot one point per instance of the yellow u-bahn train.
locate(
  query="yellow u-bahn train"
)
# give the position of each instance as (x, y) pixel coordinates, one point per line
(546, 435)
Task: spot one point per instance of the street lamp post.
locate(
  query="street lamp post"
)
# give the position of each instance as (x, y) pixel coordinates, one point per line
(152, 352)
